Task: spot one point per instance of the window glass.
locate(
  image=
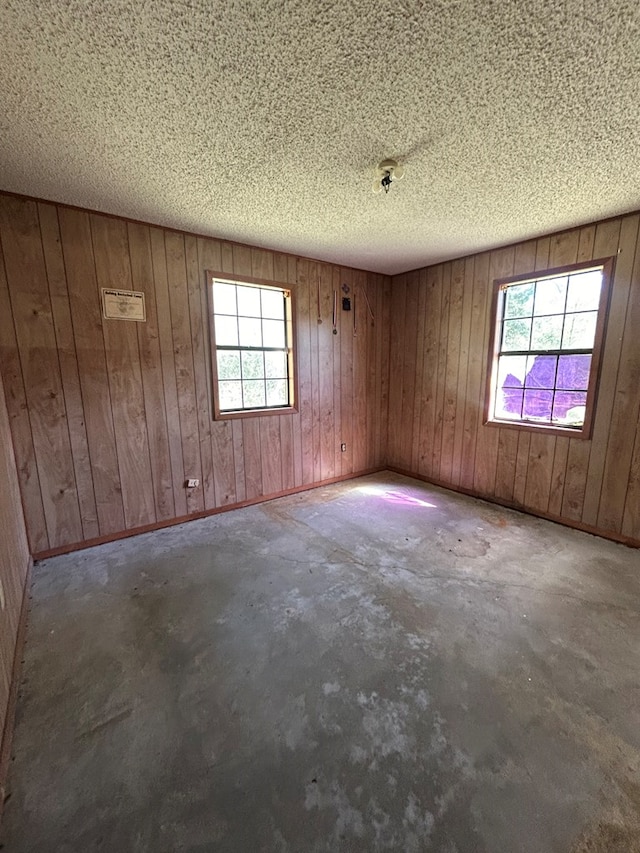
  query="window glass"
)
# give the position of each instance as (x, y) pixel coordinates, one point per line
(546, 332)
(253, 357)
(248, 301)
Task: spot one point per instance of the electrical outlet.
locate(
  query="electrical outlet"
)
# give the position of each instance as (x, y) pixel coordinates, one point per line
(343, 447)
(192, 483)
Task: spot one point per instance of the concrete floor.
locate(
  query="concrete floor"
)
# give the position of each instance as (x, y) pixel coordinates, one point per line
(378, 665)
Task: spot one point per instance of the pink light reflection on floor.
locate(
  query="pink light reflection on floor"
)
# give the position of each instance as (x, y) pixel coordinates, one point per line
(396, 497)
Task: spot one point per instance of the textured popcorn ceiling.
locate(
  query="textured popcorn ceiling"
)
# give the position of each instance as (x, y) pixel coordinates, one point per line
(262, 120)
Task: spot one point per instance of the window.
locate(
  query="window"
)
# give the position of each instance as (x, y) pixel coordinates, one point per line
(252, 336)
(547, 338)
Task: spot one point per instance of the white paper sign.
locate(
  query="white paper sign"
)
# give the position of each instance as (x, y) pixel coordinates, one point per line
(123, 305)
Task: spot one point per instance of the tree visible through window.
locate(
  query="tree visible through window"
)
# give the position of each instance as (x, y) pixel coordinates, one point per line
(546, 347)
(253, 359)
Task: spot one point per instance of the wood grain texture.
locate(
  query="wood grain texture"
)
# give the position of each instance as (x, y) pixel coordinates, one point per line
(124, 375)
(14, 568)
(592, 484)
(16, 401)
(40, 364)
(108, 422)
(109, 418)
(67, 355)
(86, 315)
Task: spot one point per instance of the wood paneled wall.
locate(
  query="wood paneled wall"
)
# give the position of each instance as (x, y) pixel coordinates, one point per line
(439, 344)
(110, 417)
(14, 567)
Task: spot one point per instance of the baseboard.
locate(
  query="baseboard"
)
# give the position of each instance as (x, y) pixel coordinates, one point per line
(566, 522)
(160, 525)
(14, 687)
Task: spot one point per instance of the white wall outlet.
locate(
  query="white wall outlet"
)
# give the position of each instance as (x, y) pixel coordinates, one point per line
(192, 483)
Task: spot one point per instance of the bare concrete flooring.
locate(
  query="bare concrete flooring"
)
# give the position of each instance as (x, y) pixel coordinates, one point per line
(378, 665)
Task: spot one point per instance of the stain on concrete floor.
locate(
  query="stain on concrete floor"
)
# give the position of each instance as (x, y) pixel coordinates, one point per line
(378, 665)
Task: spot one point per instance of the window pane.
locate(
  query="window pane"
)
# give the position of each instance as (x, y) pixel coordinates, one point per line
(584, 291)
(273, 333)
(252, 365)
(551, 296)
(569, 407)
(226, 331)
(511, 371)
(253, 391)
(579, 331)
(541, 371)
(516, 335)
(277, 392)
(573, 372)
(228, 365)
(537, 404)
(250, 332)
(275, 365)
(248, 301)
(509, 404)
(519, 300)
(272, 304)
(230, 394)
(224, 298)
(546, 332)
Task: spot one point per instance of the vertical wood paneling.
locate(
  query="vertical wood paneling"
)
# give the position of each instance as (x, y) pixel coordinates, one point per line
(474, 400)
(65, 343)
(252, 457)
(198, 322)
(285, 272)
(304, 369)
(113, 270)
(609, 235)
(336, 284)
(36, 341)
(396, 362)
(626, 400)
(441, 368)
(487, 440)
(346, 373)
(463, 369)
(419, 370)
(384, 339)
(326, 376)
(578, 453)
(86, 314)
(151, 367)
(450, 404)
(359, 341)
(432, 283)
(18, 411)
(183, 357)
(14, 563)
(168, 366)
(593, 482)
(408, 370)
(131, 414)
(109, 418)
(631, 518)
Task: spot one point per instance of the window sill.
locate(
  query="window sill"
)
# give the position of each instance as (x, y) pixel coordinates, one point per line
(254, 413)
(567, 432)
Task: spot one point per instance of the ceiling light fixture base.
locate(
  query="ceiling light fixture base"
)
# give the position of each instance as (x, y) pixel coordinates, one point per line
(388, 171)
